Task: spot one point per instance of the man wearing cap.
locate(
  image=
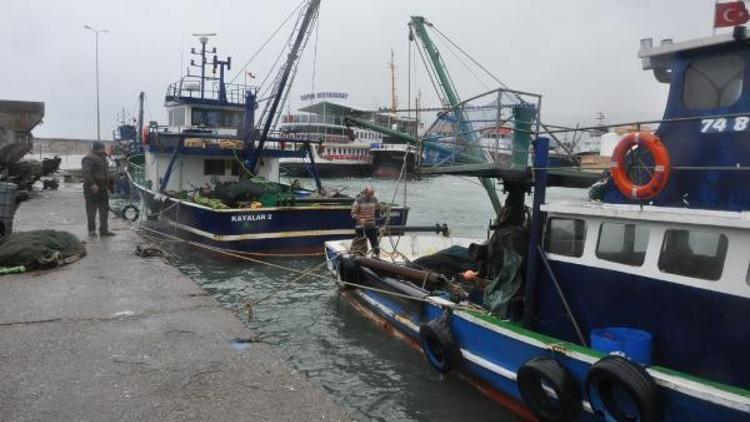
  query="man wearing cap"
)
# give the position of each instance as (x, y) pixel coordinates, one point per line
(96, 184)
(364, 211)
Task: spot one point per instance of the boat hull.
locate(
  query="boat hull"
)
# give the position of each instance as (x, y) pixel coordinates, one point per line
(493, 351)
(387, 164)
(290, 230)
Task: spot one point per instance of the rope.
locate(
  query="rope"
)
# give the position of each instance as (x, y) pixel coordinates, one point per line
(307, 273)
(268, 40)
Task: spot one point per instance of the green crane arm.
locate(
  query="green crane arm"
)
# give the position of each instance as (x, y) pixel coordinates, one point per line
(451, 98)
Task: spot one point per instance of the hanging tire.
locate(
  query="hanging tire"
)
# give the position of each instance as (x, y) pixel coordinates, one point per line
(540, 374)
(130, 212)
(439, 345)
(621, 390)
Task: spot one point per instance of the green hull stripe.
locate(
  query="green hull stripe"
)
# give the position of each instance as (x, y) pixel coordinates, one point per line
(564, 345)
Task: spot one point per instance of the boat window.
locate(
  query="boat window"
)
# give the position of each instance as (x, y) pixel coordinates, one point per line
(177, 116)
(216, 118)
(235, 166)
(698, 254)
(713, 82)
(565, 236)
(214, 167)
(623, 243)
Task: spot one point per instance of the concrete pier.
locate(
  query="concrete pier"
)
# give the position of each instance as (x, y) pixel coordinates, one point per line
(118, 337)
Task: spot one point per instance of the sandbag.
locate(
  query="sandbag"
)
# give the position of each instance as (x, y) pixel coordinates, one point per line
(40, 249)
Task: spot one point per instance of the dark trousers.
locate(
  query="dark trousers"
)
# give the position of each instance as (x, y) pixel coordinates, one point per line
(372, 235)
(97, 202)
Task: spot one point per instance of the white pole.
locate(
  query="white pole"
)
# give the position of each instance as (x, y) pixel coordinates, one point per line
(96, 37)
(98, 122)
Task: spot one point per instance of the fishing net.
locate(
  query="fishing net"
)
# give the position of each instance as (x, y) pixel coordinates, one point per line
(453, 260)
(40, 249)
(504, 259)
(245, 190)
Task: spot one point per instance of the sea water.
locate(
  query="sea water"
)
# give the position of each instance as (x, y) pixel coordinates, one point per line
(373, 375)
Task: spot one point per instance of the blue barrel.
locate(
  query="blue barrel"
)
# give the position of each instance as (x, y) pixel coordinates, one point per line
(633, 343)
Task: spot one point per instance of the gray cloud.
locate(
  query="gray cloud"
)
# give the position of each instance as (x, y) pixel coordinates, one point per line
(581, 55)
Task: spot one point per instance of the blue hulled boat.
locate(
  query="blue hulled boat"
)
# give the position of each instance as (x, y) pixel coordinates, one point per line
(212, 173)
(629, 306)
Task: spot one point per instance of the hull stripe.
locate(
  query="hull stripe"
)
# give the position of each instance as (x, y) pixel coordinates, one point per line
(256, 236)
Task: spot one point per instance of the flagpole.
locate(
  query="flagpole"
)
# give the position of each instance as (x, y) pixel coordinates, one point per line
(716, 3)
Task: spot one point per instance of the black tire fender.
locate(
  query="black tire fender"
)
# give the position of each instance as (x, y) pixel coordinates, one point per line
(124, 212)
(616, 373)
(439, 345)
(541, 372)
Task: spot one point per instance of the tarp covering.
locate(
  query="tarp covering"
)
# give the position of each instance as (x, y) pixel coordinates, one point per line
(40, 249)
(453, 260)
(506, 251)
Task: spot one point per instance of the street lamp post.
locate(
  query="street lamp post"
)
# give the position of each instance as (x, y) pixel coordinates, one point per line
(96, 36)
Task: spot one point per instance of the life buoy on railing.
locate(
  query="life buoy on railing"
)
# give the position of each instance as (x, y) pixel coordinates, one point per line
(662, 166)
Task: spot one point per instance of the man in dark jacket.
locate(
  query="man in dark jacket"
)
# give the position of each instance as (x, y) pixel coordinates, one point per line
(96, 184)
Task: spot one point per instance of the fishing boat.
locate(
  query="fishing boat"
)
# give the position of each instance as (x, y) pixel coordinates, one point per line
(627, 307)
(212, 173)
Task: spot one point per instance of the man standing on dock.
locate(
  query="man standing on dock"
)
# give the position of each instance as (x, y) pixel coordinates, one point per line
(96, 184)
(364, 211)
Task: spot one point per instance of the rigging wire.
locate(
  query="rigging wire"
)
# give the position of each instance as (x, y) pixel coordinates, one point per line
(429, 71)
(466, 66)
(315, 55)
(502, 84)
(268, 40)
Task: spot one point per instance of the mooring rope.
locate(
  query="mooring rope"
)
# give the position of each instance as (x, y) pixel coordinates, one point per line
(309, 273)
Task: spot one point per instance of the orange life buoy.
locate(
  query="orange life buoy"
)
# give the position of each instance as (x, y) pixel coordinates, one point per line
(661, 166)
(145, 135)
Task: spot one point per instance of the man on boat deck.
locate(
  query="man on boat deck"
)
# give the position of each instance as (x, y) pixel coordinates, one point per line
(364, 211)
(96, 183)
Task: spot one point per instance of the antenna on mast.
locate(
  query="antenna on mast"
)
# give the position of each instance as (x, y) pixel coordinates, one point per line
(203, 38)
(394, 97)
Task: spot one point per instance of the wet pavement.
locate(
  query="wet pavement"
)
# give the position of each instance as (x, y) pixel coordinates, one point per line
(119, 337)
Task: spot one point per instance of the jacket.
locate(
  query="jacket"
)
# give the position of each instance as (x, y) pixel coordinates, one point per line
(365, 210)
(95, 172)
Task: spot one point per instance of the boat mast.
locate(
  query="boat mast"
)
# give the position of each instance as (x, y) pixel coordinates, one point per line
(139, 133)
(450, 98)
(280, 84)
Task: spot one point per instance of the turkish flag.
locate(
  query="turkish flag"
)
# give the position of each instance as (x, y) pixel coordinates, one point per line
(731, 14)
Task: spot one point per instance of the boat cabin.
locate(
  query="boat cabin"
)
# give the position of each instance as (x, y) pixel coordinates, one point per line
(204, 140)
(676, 265)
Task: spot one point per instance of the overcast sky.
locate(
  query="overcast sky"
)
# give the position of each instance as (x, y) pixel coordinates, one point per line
(580, 55)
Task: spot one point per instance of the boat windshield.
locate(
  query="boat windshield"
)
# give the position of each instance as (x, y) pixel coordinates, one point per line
(713, 82)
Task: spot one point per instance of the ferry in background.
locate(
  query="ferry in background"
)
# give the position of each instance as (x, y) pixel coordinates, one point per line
(342, 151)
(346, 149)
